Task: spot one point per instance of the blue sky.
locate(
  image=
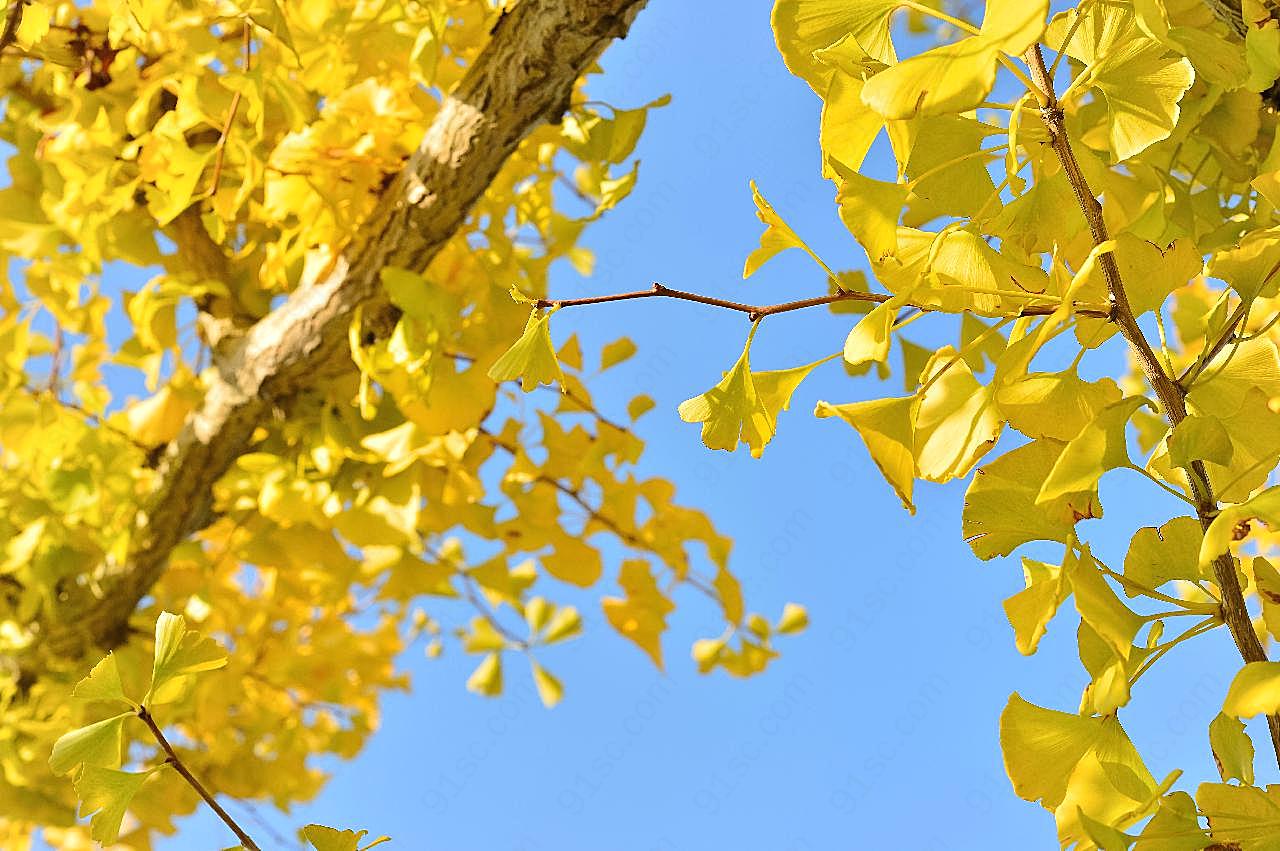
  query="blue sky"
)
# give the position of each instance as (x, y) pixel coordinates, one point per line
(879, 724)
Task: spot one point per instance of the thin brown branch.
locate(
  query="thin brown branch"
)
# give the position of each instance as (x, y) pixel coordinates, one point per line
(1167, 390)
(181, 768)
(12, 19)
(221, 148)
(757, 311)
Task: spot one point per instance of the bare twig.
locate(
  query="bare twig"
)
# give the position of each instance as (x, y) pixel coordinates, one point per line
(221, 148)
(757, 311)
(181, 768)
(1168, 391)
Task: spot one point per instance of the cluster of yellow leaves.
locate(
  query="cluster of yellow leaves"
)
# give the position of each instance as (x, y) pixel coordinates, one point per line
(228, 151)
(1165, 108)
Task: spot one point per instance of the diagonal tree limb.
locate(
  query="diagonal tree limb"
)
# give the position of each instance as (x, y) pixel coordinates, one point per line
(524, 76)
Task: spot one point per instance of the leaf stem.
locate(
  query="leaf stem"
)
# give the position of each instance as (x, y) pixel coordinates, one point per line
(178, 766)
(221, 147)
(1161, 649)
(1156, 481)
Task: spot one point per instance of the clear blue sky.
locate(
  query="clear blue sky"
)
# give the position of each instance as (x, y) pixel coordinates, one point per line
(878, 727)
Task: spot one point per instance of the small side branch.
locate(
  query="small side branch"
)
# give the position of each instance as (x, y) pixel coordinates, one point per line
(178, 766)
(758, 311)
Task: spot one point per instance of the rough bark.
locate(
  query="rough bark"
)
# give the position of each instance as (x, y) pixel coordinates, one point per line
(524, 76)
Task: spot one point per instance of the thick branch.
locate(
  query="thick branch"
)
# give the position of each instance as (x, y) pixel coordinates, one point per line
(525, 76)
(1170, 393)
(756, 311)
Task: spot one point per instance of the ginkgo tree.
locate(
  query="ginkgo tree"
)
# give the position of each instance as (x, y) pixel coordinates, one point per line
(1058, 179)
(348, 213)
(279, 430)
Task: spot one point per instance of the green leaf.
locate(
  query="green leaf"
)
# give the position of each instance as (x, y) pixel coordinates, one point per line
(103, 683)
(1232, 749)
(532, 358)
(95, 744)
(1255, 689)
(1100, 446)
(179, 653)
(107, 793)
(885, 426)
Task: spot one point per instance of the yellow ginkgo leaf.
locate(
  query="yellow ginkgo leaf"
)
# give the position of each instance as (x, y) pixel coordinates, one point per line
(1232, 748)
(1042, 748)
(1255, 690)
(1030, 610)
(1001, 511)
(1140, 79)
(33, 25)
(802, 27)
(957, 77)
(1157, 556)
(486, 679)
(1100, 446)
(745, 405)
(778, 236)
(870, 209)
(869, 340)
(550, 690)
(1054, 404)
(956, 422)
(1098, 604)
(886, 426)
(532, 358)
(1225, 528)
(641, 616)
(107, 793)
(158, 419)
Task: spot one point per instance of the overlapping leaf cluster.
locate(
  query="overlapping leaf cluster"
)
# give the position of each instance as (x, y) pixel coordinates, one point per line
(224, 151)
(1166, 112)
